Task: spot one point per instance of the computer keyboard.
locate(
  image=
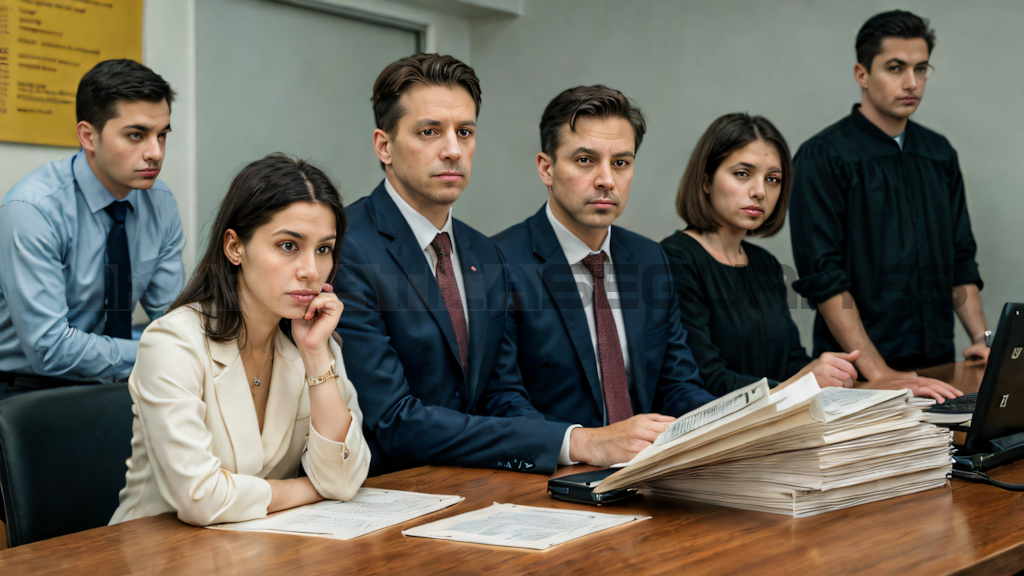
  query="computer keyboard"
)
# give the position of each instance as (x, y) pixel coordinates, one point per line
(962, 404)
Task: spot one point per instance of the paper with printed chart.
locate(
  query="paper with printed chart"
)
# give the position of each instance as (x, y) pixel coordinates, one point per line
(370, 510)
(520, 526)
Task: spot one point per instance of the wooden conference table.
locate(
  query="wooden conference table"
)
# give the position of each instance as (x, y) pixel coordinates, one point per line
(963, 528)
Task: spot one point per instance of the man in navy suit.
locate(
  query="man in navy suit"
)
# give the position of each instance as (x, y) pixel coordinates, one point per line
(596, 318)
(427, 299)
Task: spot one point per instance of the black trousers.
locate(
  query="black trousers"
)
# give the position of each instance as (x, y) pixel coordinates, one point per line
(11, 384)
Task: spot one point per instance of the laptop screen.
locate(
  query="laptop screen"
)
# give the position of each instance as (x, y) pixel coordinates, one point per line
(999, 411)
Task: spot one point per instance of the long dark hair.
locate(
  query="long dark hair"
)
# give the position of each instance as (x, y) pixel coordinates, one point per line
(259, 191)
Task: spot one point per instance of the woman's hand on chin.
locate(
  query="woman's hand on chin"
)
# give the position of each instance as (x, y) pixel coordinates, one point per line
(313, 330)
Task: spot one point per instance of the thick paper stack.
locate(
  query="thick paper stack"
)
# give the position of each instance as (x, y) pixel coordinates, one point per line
(800, 451)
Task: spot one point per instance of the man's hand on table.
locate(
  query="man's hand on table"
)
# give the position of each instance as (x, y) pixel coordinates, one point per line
(976, 354)
(617, 442)
(918, 385)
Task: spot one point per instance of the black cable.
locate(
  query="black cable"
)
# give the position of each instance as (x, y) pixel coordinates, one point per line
(982, 477)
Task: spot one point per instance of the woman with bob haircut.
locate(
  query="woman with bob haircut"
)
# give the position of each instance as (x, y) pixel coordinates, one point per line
(732, 293)
(241, 382)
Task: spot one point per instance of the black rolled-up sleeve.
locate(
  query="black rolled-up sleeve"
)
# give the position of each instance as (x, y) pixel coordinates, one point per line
(965, 268)
(817, 226)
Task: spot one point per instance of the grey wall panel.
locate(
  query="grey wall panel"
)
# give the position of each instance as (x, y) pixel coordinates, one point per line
(274, 77)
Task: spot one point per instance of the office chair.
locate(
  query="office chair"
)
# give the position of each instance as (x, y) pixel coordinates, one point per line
(62, 459)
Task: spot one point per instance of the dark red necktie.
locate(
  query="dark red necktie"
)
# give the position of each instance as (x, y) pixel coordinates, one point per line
(613, 369)
(450, 291)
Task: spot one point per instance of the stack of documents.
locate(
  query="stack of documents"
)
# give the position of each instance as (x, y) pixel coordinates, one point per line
(799, 451)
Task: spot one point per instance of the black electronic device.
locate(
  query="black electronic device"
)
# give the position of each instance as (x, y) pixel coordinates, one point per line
(580, 488)
(996, 434)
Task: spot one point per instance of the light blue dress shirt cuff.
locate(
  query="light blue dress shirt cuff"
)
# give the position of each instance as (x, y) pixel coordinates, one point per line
(129, 350)
(563, 455)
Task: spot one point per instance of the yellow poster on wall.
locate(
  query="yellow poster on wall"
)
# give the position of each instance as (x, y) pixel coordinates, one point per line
(46, 46)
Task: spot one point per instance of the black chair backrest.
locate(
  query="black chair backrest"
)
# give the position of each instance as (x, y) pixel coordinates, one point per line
(62, 459)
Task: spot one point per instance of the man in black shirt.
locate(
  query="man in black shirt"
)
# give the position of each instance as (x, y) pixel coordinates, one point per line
(879, 222)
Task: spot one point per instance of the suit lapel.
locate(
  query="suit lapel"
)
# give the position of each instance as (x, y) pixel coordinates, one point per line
(406, 252)
(286, 385)
(557, 277)
(627, 278)
(236, 408)
(476, 304)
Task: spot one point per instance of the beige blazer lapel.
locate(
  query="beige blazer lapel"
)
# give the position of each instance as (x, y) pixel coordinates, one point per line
(287, 383)
(236, 408)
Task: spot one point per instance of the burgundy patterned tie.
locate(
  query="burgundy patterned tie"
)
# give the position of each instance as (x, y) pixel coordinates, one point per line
(613, 369)
(450, 291)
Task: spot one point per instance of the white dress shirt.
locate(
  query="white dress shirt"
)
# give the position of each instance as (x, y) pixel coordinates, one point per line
(575, 251)
(425, 232)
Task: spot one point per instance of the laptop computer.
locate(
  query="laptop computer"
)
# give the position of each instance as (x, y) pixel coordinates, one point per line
(996, 434)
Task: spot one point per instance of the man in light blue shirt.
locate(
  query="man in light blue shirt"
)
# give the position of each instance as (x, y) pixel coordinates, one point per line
(70, 227)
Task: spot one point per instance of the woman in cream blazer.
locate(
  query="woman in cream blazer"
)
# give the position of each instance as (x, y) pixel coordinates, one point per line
(228, 406)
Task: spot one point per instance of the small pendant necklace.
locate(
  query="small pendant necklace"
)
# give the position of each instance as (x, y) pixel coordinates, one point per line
(256, 379)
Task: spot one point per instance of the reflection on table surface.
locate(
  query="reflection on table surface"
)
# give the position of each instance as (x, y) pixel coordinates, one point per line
(963, 375)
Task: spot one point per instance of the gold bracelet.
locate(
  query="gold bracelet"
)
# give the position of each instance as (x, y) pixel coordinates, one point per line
(321, 379)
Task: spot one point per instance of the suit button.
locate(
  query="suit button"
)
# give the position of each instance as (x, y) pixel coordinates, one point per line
(457, 394)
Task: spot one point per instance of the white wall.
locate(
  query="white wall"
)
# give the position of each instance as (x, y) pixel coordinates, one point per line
(688, 62)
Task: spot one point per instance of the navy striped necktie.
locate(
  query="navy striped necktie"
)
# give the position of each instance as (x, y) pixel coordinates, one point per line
(119, 275)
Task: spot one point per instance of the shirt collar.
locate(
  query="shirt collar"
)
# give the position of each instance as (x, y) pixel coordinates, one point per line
(97, 197)
(575, 249)
(422, 229)
(874, 132)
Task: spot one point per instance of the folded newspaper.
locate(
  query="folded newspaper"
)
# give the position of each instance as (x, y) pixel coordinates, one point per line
(800, 451)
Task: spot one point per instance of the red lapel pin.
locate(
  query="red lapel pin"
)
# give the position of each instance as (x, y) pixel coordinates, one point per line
(473, 268)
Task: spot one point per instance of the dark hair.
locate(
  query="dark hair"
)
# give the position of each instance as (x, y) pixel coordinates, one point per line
(726, 135)
(598, 100)
(113, 81)
(428, 69)
(894, 24)
(260, 190)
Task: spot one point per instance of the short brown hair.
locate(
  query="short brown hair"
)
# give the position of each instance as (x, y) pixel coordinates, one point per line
(726, 135)
(428, 69)
(598, 100)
